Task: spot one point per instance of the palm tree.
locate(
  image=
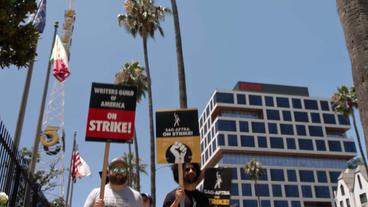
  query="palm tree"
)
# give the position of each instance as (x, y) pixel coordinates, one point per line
(179, 57)
(143, 18)
(344, 101)
(134, 182)
(354, 19)
(133, 74)
(254, 169)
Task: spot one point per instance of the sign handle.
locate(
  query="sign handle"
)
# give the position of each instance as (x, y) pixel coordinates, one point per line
(181, 178)
(104, 167)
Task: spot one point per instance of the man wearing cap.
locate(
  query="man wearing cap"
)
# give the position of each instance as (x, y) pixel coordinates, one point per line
(117, 192)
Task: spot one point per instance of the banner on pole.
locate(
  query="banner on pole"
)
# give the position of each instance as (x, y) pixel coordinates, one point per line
(111, 113)
(217, 186)
(177, 136)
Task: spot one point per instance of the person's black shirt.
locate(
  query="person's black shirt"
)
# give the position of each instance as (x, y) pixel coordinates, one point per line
(192, 199)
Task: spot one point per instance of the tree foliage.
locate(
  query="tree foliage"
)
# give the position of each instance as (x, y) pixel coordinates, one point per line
(18, 39)
(133, 74)
(142, 17)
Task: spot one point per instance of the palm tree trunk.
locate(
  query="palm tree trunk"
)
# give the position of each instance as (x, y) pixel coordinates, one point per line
(256, 192)
(359, 142)
(179, 57)
(138, 181)
(354, 19)
(151, 126)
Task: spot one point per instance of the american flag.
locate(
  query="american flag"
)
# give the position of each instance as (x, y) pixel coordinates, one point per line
(79, 167)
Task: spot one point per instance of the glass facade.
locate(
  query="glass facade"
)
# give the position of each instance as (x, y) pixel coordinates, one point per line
(294, 137)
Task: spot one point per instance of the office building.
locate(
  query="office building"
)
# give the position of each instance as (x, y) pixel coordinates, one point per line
(300, 141)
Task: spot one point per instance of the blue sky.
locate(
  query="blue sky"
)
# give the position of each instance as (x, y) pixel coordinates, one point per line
(288, 42)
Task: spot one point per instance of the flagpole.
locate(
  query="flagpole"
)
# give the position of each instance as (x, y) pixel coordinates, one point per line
(39, 123)
(70, 174)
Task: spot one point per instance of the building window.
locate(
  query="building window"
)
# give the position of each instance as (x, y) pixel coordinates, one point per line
(290, 143)
(247, 189)
(234, 189)
(363, 198)
(341, 203)
(347, 202)
(221, 140)
(342, 190)
(272, 128)
(306, 176)
(291, 174)
(243, 175)
(286, 129)
(277, 142)
(315, 131)
(300, 130)
(280, 204)
(226, 125)
(243, 126)
(322, 191)
(234, 203)
(286, 115)
(321, 177)
(255, 100)
(295, 204)
(277, 175)
(249, 202)
(297, 104)
(258, 127)
(269, 101)
(349, 147)
(273, 114)
(329, 119)
(240, 98)
(247, 141)
(343, 120)
(321, 145)
(301, 116)
(265, 203)
(262, 190)
(315, 118)
(263, 175)
(276, 190)
(234, 173)
(262, 142)
(305, 144)
(232, 140)
(310, 104)
(282, 102)
(224, 98)
(307, 191)
(334, 176)
(324, 105)
(359, 182)
(291, 191)
(334, 146)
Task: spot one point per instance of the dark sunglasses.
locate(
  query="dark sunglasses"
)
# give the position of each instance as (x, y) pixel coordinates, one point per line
(119, 170)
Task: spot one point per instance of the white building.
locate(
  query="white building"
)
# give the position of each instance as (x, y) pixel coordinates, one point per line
(352, 188)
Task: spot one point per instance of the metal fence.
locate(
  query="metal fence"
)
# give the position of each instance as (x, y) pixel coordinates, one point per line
(14, 177)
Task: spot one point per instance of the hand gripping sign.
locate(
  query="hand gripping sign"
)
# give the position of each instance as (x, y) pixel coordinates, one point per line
(111, 113)
(177, 136)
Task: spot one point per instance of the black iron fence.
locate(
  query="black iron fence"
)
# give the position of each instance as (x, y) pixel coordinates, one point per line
(14, 177)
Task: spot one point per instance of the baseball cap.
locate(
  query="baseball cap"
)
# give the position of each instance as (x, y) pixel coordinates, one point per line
(117, 160)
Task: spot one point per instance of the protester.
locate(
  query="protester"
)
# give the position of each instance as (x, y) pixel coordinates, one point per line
(191, 196)
(117, 192)
(147, 200)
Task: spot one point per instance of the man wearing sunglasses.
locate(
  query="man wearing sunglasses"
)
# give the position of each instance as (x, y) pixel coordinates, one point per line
(192, 197)
(117, 192)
